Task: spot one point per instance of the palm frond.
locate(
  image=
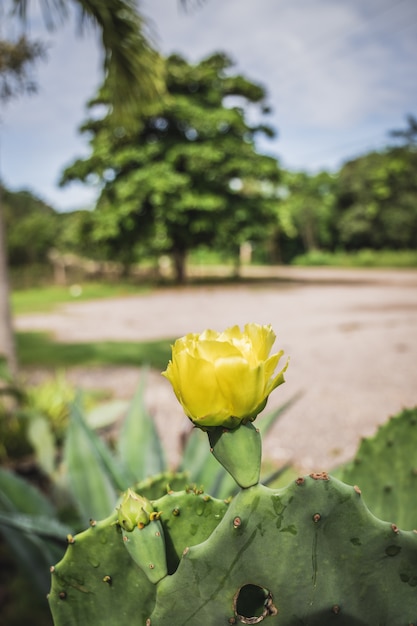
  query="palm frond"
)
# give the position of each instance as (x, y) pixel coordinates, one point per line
(132, 64)
(133, 67)
(53, 11)
(16, 61)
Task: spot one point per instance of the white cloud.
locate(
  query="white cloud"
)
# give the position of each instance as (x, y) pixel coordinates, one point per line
(318, 59)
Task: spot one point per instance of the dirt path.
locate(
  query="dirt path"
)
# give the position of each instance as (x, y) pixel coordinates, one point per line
(351, 335)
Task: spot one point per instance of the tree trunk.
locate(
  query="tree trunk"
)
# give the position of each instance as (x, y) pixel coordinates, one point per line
(59, 267)
(126, 269)
(275, 249)
(179, 257)
(308, 231)
(237, 266)
(7, 343)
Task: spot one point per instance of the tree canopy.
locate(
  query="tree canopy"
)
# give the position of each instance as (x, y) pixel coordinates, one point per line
(32, 227)
(304, 214)
(187, 172)
(376, 200)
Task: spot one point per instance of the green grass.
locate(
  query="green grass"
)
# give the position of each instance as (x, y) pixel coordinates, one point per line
(43, 299)
(40, 350)
(389, 259)
(206, 256)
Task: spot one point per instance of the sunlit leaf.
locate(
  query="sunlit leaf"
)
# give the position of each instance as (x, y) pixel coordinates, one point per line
(90, 483)
(139, 444)
(41, 438)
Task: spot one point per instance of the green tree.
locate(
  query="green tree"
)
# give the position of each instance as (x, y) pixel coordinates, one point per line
(376, 200)
(187, 173)
(133, 72)
(25, 216)
(304, 216)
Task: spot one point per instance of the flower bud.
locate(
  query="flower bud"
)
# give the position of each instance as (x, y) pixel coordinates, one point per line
(134, 511)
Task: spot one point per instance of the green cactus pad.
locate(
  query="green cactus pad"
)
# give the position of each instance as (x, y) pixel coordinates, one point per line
(188, 518)
(239, 451)
(146, 546)
(97, 582)
(309, 554)
(385, 468)
(156, 486)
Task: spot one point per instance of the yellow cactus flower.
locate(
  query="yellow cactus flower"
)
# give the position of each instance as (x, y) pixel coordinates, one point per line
(223, 379)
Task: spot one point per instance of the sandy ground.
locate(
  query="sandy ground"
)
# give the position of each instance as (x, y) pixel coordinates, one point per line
(351, 336)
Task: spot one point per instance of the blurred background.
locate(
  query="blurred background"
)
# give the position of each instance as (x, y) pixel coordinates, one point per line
(171, 166)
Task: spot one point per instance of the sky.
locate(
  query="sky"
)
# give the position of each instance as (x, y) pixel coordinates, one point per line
(339, 74)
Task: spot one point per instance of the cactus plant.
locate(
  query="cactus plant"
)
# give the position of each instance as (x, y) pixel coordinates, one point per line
(98, 581)
(385, 467)
(311, 553)
(308, 554)
(36, 535)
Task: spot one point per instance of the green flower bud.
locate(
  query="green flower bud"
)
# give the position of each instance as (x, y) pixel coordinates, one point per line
(134, 511)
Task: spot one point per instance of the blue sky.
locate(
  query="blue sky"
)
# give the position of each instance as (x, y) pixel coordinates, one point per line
(339, 73)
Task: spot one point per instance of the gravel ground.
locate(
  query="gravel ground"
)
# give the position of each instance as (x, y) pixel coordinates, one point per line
(351, 336)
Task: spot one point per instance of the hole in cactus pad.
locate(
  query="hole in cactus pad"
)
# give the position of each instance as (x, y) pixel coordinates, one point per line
(252, 604)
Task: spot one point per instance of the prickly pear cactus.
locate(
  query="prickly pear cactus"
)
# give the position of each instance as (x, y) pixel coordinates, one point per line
(188, 517)
(309, 554)
(385, 467)
(156, 486)
(99, 580)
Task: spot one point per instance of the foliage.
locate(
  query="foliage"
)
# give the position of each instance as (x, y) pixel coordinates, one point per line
(130, 61)
(186, 174)
(304, 215)
(25, 214)
(8, 386)
(12, 430)
(36, 420)
(205, 255)
(23, 509)
(376, 200)
(16, 61)
(366, 208)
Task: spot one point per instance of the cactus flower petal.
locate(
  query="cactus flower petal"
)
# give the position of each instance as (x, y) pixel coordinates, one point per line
(224, 379)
